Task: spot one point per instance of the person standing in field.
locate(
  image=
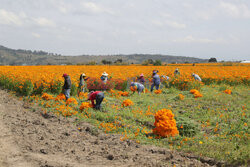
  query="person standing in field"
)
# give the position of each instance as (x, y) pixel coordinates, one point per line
(156, 81)
(104, 77)
(177, 72)
(82, 83)
(66, 86)
(140, 87)
(97, 96)
(196, 77)
(141, 79)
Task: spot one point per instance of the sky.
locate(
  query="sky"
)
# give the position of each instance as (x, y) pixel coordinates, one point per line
(193, 28)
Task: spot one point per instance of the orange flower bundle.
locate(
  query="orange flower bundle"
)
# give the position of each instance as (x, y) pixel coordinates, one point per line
(71, 101)
(47, 97)
(196, 93)
(158, 91)
(181, 96)
(59, 97)
(228, 91)
(165, 124)
(85, 105)
(133, 88)
(127, 102)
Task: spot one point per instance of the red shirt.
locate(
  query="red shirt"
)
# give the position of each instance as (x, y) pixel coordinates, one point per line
(92, 97)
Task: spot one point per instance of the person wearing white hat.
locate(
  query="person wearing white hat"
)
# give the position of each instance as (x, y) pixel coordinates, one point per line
(82, 83)
(196, 77)
(104, 77)
(177, 72)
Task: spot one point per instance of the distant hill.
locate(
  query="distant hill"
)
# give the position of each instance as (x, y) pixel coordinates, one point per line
(27, 57)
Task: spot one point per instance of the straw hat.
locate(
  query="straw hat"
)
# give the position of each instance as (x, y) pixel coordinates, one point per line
(105, 74)
(83, 74)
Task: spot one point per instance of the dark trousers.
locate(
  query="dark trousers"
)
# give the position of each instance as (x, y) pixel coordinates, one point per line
(99, 99)
(154, 85)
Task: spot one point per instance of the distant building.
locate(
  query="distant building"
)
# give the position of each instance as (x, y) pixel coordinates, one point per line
(245, 61)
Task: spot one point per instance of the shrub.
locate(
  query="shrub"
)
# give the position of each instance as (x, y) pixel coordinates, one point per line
(73, 91)
(56, 87)
(186, 126)
(97, 84)
(27, 88)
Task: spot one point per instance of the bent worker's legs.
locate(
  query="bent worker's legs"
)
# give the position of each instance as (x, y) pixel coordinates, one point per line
(157, 86)
(99, 99)
(67, 93)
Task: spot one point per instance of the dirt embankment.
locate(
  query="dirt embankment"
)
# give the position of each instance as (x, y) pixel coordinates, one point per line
(30, 139)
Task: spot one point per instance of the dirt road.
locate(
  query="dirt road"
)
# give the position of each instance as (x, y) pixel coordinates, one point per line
(29, 139)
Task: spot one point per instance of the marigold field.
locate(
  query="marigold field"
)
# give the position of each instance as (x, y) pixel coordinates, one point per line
(208, 118)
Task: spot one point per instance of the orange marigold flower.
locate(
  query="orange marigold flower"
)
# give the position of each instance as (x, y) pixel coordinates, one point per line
(165, 124)
(228, 91)
(65, 110)
(158, 91)
(121, 93)
(193, 91)
(133, 88)
(47, 97)
(59, 97)
(181, 96)
(127, 102)
(82, 94)
(85, 105)
(71, 101)
(196, 93)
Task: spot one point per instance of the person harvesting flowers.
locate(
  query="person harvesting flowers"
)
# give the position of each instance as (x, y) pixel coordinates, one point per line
(66, 86)
(82, 83)
(141, 79)
(104, 77)
(196, 77)
(139, 87)
(177, 72)
(156, 81)
(97, 96)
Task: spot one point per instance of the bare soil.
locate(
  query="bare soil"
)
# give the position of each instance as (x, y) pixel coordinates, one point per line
(30, 139)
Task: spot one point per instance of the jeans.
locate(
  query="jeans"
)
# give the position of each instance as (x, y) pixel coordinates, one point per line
(99, 99)
(67, 93)
(154, 85)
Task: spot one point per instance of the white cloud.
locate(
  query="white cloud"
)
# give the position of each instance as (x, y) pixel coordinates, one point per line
(44, 22)
(35, 35)
(172, 24)
(176, 25)
(63, 9)
(191, 39)
(10, 18)
(236, 11)
(93, 8)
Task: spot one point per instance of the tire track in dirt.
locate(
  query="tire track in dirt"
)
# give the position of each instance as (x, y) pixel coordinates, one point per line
(29, 139)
